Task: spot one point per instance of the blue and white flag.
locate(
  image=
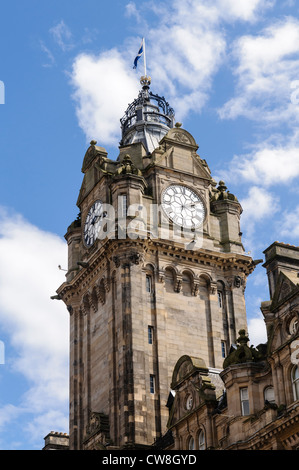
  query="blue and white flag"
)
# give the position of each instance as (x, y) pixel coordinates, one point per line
(140, 52)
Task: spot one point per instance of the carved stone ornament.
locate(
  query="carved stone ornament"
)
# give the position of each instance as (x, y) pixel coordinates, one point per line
(101, 293)
(98, 423)
(178, 283)
(180, 137)
(85, 305)
(127, 258)
(161, 276)
(106, 284)
(116, 261)
(94, 303)
(128, 167)
(136, 258)
(213, 288)
(243, 353)
(195, 288)
(238, 281)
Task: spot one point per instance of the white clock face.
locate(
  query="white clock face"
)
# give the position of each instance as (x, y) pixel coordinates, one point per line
(183, 206)
(189, 402)
(293, 325)
(93, 223)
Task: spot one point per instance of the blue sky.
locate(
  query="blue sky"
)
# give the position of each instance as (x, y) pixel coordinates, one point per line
(231, 72)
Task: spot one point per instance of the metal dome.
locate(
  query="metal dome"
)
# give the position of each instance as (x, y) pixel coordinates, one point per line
(147, 119)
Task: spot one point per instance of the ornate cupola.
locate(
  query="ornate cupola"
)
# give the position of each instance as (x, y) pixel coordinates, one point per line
(147, 119)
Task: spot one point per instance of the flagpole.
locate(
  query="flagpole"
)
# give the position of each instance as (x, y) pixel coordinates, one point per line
(144, 57)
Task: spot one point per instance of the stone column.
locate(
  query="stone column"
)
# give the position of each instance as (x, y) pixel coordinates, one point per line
(216, 326)
(210, 328)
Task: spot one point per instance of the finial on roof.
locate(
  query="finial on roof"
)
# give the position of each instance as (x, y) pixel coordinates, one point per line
(145, 80)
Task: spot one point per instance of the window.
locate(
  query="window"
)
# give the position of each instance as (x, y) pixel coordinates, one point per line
(122, 205)
(223, 349)
(186, 284)
(220, 298)
(148, 283)
(150, 334)
(269, 395)
(191, 445)
(201, 441)
(152, 383)
(295, 382)
(244, 401)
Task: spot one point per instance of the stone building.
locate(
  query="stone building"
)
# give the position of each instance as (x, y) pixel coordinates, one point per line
(156, 271)
(56, 441)
(259, 407)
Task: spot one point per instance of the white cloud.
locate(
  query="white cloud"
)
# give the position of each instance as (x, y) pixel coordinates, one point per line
(37, 429)
(257, 330)
(132, 11)
(62, 36)
(288, 3)
(36, 326)
(246, 10)
(182, 66)
(7, 413)
(185, 49)
(267, 64)
(51, 59)
(259, 204)
(268, 165)
(289, 224)
(103, 89)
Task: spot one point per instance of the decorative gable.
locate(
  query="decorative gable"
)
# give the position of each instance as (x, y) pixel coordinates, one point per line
(179, 153)
(191, 387)
(285, 287)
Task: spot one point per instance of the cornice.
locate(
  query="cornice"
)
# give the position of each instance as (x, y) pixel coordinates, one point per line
(106, 254)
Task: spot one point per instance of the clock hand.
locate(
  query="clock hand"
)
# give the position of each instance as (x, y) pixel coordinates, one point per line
(95, 219)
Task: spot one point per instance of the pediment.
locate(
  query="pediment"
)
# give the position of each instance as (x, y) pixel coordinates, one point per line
(191, 386)
(286, 286)
(91, 154)
(185, 367)
(180, 154)
(275, 339)
(181, 137)
(184, 403)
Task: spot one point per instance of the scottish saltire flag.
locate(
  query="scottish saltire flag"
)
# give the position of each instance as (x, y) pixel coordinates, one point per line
(140, 52)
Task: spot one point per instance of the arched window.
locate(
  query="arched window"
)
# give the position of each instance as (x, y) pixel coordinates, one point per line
(191, 445)
(186, 288)
(201, 441)
(148, 283)
(220, 294)
(169, 280)
(223, 349)
(295, 382)
(94, 299)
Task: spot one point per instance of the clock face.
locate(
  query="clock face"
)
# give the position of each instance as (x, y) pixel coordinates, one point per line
(189, 402)
(293, 325)
(93, 223)
(183, 206)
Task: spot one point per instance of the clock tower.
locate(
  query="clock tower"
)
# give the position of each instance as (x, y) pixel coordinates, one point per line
(156, 270)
